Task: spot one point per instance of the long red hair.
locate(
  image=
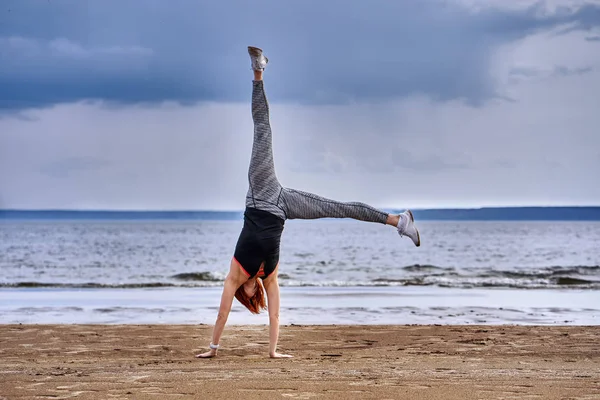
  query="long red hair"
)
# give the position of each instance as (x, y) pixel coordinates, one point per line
(256, 303)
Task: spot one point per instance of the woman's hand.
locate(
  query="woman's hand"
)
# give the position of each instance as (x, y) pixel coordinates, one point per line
(209, 354)
(279, 355)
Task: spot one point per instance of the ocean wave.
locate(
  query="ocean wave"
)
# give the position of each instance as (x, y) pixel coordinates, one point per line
(573, 281)
(464, 282)
(94, 285)
(545, 272)
(197, 276)
(425, 268)
(555, 277)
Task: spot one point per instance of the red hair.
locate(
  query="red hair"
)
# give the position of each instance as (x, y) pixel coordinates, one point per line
(256, 303)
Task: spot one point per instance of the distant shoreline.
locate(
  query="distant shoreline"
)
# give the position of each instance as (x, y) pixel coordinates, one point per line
(582, 213)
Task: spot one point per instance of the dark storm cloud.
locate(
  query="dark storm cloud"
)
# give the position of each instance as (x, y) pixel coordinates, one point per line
(321, 52)
(564, 71)
(558, 71)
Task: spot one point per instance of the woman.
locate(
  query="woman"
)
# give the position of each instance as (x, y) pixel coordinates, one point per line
(254, 266)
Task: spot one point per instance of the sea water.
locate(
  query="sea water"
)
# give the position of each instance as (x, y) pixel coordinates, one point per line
(331, 271)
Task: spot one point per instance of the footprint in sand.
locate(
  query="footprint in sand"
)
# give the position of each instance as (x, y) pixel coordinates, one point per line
(302, 395)
(65, 396)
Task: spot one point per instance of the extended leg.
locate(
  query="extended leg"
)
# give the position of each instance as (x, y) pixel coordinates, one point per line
(304, 205)
(264, 189)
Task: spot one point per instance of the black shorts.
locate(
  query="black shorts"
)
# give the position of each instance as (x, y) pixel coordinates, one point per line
(259, 242)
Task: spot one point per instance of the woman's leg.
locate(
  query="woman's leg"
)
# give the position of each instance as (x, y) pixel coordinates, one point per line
(304, 205)
(265, 189)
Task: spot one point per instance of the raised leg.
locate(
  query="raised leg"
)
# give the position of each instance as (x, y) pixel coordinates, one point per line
(304, 205)
(261, 173)
(264, 187)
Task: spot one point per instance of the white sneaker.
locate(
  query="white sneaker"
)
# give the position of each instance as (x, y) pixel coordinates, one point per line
(259, 61)
(406, 227)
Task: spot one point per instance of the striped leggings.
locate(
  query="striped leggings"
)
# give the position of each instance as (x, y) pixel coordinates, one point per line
(266, 193)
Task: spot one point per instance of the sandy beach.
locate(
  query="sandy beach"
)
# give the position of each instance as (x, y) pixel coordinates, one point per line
(330, 362)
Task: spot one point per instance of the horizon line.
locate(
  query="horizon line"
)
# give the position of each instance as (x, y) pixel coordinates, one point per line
(242, 210)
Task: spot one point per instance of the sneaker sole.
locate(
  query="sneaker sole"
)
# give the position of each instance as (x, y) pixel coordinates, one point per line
(254, 51)
(412, 219)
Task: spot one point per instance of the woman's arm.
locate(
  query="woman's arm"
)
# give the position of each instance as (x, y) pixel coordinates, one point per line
(272, 288)
(232, 283)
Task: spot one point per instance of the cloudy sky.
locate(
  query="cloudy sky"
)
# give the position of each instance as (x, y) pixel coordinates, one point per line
(144, 104)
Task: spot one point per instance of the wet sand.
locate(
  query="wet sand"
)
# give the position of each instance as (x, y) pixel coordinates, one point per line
(330, 362)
